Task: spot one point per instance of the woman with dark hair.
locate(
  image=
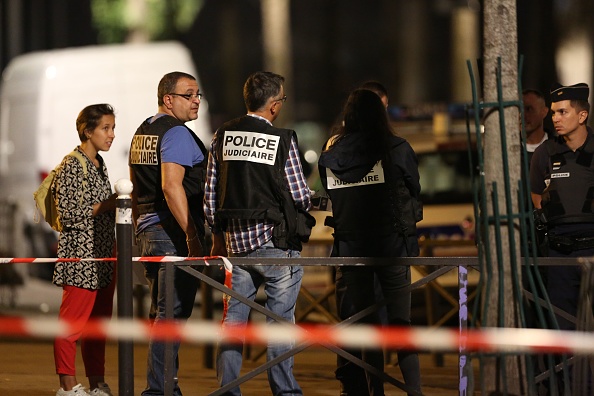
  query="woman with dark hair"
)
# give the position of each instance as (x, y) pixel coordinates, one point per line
(372, 179)
(86, 210)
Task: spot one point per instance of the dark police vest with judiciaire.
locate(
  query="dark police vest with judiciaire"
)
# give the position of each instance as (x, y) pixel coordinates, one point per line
(569, 197)
(145, 159)
(378, 205)
(251, 178)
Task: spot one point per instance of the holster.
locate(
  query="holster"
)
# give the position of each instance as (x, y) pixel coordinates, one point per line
(540, 226)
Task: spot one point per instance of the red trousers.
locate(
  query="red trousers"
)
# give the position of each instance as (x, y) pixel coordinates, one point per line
(78, 306)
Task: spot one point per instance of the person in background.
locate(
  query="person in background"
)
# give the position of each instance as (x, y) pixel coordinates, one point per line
(379, 89)
(86, 209)
(255, 192)
(167, 167)
(366, 166)
(535, 111)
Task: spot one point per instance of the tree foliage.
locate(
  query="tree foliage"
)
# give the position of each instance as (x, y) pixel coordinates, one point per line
(160, 19)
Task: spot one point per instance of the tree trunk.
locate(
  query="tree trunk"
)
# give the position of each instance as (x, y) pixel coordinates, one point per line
(500, 41)
(230, 44)
(276, 36)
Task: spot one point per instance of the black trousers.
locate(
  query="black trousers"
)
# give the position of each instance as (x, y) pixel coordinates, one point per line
(356, 289)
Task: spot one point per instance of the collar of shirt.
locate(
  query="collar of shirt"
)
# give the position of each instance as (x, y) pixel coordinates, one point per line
(530, 147)
(260, 118)
(158, 115)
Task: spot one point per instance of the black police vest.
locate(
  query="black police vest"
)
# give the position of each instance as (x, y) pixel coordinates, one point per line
(370, 207)
(145, 159)
(569, 197)
(252, 156)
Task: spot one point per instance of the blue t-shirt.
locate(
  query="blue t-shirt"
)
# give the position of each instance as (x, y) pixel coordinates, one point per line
(179, 147)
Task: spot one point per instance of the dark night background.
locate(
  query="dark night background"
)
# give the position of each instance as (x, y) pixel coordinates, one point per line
(336, 46)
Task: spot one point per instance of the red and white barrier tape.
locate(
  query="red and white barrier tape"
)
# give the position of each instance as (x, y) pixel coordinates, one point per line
(491, 339)
(161, 259)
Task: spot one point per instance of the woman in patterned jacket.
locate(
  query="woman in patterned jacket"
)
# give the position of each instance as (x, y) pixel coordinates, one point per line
(86, 209)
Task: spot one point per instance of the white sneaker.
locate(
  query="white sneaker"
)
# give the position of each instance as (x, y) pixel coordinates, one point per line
(102, 389)
(78, 390)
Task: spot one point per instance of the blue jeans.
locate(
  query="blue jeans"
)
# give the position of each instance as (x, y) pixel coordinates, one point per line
(165, 239)
(281, 285)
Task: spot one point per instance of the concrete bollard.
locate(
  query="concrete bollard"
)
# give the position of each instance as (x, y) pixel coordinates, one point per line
(124, 229)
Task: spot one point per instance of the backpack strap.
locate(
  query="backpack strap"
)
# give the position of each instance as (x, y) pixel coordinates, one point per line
(76, 154)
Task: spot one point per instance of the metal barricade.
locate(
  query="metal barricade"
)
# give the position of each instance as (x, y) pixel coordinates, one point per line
(442, 266)
(438, 265)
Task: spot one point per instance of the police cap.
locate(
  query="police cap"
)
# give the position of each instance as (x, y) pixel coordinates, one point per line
(571, 92)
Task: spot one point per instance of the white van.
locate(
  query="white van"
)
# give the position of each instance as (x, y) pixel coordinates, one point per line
(43, 92)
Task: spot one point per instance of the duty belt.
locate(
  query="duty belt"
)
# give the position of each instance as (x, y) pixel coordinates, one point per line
(569, 244)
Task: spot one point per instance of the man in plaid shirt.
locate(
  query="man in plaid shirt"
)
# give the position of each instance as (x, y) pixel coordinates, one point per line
(256, 198)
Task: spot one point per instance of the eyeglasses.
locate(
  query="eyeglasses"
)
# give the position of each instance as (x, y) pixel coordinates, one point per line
(188, 96)
(283, 99)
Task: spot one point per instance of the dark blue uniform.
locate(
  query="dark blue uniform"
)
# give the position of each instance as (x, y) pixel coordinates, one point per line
(565, 179)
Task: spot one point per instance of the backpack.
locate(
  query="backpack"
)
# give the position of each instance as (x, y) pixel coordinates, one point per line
(45, 200)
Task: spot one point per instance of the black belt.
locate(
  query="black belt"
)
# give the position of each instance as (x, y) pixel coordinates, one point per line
(562, 243)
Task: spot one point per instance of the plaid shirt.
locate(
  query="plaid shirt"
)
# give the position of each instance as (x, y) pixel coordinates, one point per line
(247, 235)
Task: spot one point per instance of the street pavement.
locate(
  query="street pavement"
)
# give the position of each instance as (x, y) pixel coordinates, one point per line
(27, 368)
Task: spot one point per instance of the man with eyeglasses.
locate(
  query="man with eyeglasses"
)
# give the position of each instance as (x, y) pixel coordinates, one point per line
(167, 168)
(256, 199)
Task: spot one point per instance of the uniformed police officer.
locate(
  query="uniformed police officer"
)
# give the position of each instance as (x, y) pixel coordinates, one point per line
(562, 186)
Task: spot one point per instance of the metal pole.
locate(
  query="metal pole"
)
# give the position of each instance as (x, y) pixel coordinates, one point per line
(463, 355)
(124, 283)
(169, 380)
(207, 314)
